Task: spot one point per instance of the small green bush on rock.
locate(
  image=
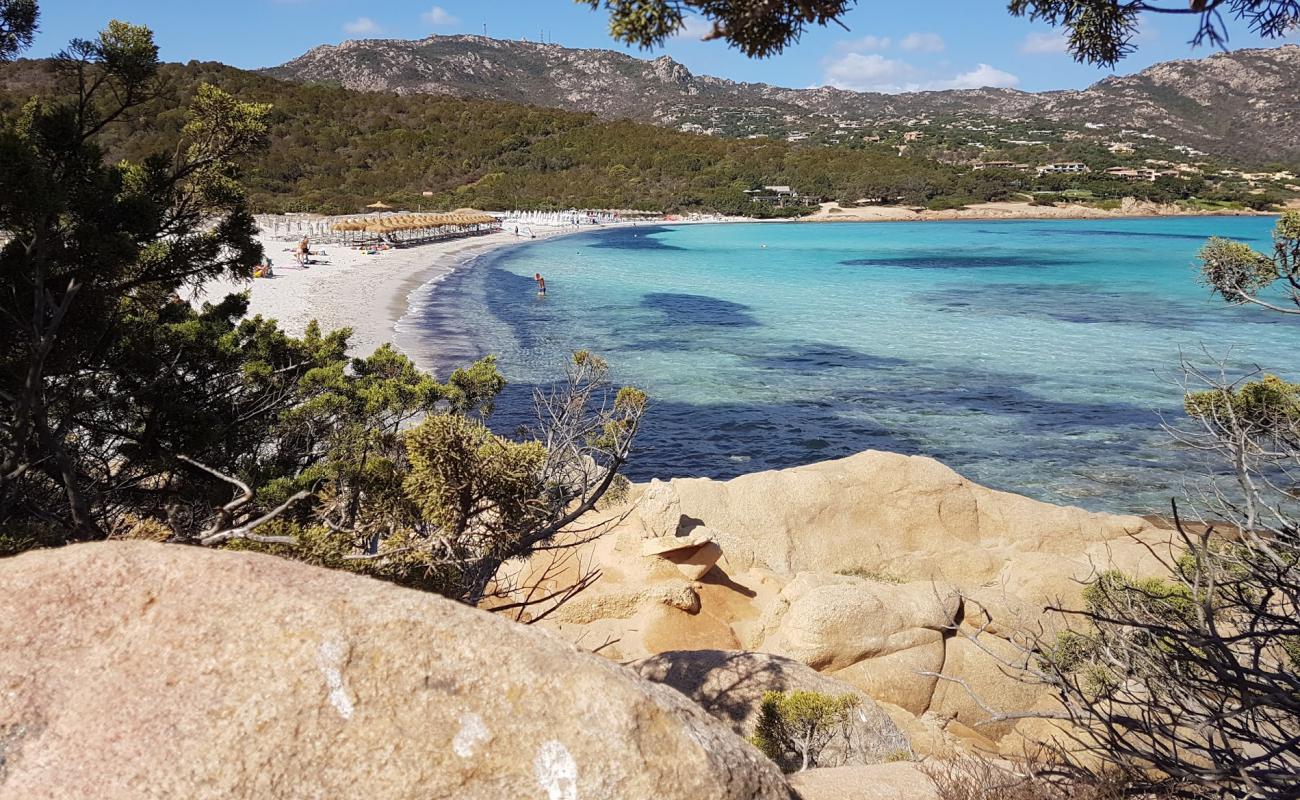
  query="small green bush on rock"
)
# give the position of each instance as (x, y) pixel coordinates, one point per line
(795, 727)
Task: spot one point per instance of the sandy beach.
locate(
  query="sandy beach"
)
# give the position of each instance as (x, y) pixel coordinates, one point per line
(347, 288)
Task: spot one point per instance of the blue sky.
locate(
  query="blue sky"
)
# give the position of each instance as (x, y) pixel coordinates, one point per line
(891, 46)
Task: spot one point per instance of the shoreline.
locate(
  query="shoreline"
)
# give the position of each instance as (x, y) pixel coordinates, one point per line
(373, 294)
(347, 289)
(1019, 211)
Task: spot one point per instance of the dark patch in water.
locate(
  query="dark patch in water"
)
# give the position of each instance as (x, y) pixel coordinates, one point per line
(1074, 447)
(813, 356)
(957, 260)
(1080, 303)
(633, 239)
(699, 309)
(1021, 232)
(1121, 234)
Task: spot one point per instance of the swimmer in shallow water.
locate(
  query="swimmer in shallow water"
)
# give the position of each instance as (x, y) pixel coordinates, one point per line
(541, 283)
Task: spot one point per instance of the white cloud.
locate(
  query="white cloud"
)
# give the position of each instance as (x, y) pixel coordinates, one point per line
(438, 16)
(870, 72)
(980, 77)
(1045, 42)
(922, 43)
(1146, 33)
(361, 26)
(694, 28)
(866, 44)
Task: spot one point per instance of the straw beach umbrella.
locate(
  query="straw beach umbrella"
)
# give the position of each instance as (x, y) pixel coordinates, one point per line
(407, 228)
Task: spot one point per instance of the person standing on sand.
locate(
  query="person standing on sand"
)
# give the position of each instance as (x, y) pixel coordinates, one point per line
(541, 283)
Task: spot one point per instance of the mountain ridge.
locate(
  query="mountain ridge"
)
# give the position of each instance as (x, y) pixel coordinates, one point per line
(1236, 105)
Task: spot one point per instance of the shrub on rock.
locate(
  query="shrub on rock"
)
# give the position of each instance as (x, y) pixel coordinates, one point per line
(794, 728)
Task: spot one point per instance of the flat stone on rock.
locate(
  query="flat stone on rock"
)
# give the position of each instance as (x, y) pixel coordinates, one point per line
(696, 563)
(663, 545)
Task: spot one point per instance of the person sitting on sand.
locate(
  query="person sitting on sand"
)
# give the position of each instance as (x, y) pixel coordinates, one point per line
(541, 283)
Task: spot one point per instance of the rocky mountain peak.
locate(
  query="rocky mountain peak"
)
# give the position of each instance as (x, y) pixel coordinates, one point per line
(670, 71)
(1241, 105)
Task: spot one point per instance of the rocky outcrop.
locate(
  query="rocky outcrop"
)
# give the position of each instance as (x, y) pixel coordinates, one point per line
(912, 519)
(871, 569)
(136, 670)
(730, 685)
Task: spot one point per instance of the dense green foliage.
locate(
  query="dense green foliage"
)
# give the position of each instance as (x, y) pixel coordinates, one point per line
(92, 350)
(128, 412)
(335, 150)
(756, 29)
(1104, 31)
(17, 26)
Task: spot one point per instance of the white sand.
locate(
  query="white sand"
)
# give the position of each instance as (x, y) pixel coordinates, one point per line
(347, 288)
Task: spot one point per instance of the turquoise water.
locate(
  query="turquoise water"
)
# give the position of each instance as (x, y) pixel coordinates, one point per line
(1038, 357)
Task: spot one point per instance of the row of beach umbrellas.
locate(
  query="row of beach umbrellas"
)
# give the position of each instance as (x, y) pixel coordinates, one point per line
(413, 222)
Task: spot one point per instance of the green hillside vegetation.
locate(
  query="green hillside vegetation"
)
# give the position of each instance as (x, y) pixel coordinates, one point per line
(334, 150)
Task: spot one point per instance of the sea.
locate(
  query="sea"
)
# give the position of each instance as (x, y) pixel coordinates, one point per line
(1047, 358)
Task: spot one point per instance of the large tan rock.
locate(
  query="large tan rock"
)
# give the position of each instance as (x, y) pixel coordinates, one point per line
(915, 519)
(730, 685)
(901, 781)
(696, 562)
(877, 636)
(977, 664)
(136, 670)
(664, 545)
(905, 677)
(859, 568)
(938, 736)
(830, 622)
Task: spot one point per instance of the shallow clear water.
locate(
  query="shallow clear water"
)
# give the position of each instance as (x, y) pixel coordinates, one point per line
(1037, 357)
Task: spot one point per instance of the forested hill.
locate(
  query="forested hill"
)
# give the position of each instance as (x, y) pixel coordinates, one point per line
(333, 149)
(1240, 106)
